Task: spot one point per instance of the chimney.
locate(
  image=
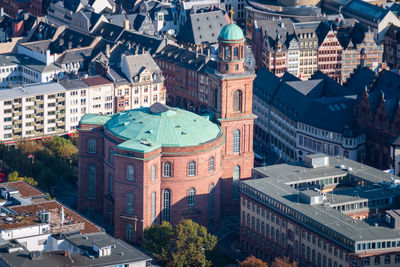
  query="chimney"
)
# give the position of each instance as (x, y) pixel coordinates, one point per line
(143, 50)
(1, 11)
(126, 25)
(108, 54)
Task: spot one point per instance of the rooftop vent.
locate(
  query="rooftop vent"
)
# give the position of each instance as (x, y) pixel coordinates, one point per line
(317, 160)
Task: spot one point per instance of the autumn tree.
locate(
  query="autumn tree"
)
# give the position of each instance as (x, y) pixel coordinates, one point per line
(14, 176)
(252, 261)
(283, 262)
(186, 244)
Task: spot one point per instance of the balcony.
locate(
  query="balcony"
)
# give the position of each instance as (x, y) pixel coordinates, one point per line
(17, 113)
(40, 118)
(39, 102)
(39, 110)
(17, 105)
(60, 115)
(17, 130)
(39, 126)
(60, 123)
(17, 121)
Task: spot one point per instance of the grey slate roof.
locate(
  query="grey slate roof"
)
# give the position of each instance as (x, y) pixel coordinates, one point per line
(73, 84)
(43, 31)
(108, 31)
(310, 102)
(182, 57)
(202, 27)
(136, 40)
(70, 39)
(121, 254)
(136, 64)
(139, 22)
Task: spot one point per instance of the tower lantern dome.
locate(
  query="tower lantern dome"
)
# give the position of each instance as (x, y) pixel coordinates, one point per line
(231, 33)
(231, 49)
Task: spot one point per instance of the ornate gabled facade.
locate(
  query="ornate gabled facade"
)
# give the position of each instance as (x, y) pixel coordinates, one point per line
(378, 114)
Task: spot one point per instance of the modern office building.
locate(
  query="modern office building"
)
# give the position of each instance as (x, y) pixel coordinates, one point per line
(325, 211)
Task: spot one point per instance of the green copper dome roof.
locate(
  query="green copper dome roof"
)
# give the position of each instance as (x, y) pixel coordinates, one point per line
(231, 32)
(145, 129)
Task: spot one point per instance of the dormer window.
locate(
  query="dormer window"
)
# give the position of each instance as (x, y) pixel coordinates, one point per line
(136, 78)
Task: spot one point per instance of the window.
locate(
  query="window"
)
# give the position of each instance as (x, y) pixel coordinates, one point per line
(235, 183)
(91, 194)
(211, 164)
(192, 168)
(191, 196)
(236, 141)
(129, 202)
(129, 232)
(153, 207)
(237, 100)
(166, 205)
(130, 173)
(111, 156)
(92, 145)
(153, 172)
(211, 201)
(110, 183)
(387, 259)
(167, 169)
(377, 260)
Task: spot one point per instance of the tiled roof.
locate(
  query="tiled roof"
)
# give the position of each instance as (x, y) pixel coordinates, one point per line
(202, 27)
(96, 80)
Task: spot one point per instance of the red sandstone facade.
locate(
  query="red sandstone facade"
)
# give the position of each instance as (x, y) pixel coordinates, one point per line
(217, 189)
(110, 198)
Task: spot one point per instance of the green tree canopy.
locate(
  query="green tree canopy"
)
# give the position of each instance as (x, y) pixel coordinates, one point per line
(186, 244)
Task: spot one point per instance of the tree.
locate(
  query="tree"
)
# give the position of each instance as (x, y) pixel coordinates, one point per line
(252, 261)
(157, 237)
(14, 176)
(63, 147)
(186, 244)
(283, 262)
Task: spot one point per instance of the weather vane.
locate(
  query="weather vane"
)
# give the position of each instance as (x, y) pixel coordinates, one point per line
(232, 12)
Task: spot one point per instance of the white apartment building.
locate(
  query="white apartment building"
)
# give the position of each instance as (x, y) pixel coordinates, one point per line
(100, 95)
(36, 111)
(17, 69)
(32, 111)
